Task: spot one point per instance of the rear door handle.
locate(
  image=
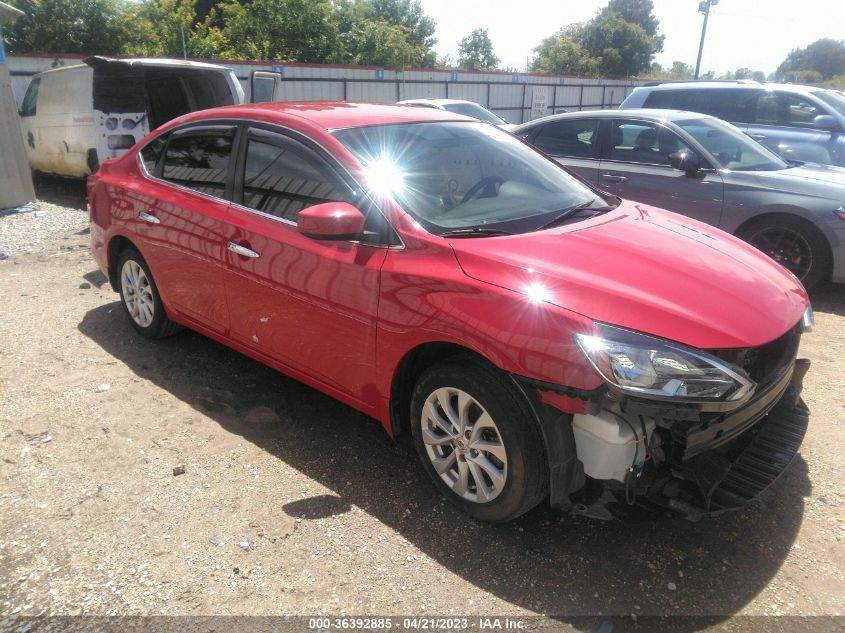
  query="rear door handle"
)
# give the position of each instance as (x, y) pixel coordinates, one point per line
(148, 217)
(241, 250)
(612, 178)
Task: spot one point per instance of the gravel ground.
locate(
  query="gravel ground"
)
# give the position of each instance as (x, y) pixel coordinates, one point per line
(291, 503)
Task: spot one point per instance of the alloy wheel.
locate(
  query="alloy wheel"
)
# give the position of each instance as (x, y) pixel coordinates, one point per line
(464, 445)
(137, 293)
(787, 247)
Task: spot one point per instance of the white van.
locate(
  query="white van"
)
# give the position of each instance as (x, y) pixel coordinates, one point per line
(74, 118)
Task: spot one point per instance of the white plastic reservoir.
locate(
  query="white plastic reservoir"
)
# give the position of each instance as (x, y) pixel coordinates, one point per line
(607, 446)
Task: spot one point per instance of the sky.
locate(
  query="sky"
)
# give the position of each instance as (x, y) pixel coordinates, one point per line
(755, 34)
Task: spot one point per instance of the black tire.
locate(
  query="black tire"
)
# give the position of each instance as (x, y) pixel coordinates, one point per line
(525, 470)
(159, 326)
(794, 243)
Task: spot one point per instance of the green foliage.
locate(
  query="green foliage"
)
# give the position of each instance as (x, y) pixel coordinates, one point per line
(561, 54)
(68, 26)
(745, 73)
(678, 71)
(281, 30)
(620, 41)
(623, 48)
(639, 12)
(476, 51)
(158, 28)
(392, 33)
(825, 58)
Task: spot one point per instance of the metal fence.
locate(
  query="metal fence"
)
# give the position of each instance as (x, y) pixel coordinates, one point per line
(516, 97)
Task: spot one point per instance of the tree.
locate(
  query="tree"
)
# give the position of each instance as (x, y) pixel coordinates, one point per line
(68, 26)
(639, 12)
(167, 28)
(561, 54)
(622, 48)
(825, 57)
(365, 25)
(281, 30)
(678, 71)
(620, 41)
(476, 51)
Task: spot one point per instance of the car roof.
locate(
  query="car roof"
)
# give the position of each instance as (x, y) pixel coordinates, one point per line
(635, 113)
(139, 61)
(739, 84)
(435, 101)
(329, 115)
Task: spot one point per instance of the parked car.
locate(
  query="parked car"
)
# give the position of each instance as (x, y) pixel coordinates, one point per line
(798, 122)
(75, 117)
(706, 169)
(458, 106)
(535, 336)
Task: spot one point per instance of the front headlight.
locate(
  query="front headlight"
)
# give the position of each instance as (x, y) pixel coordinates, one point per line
(650, 367)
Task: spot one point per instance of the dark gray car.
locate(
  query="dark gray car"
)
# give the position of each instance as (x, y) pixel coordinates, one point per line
(803, 123)
(704, 168)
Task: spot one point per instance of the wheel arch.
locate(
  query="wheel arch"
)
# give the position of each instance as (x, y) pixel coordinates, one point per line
(117, 245)
(407, 372)
(794, 214)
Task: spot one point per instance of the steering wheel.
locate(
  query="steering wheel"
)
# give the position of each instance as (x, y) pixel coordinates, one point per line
(489, 186)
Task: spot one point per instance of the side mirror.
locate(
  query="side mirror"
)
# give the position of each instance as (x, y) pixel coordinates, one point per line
(826, 122)
(331, 221)
(685, 161)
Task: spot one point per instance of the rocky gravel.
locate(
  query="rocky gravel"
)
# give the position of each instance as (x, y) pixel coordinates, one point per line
(179, 477)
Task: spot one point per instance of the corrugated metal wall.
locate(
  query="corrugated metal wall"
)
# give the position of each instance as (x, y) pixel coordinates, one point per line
(508, 94)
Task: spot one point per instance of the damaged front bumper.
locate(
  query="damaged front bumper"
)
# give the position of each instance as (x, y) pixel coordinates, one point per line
(692, 463)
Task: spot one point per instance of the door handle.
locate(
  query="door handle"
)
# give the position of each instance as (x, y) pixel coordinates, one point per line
(148, 217)
(612, 178)
(241, 250)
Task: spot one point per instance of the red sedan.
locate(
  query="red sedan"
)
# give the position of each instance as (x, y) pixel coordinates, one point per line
(538, 338)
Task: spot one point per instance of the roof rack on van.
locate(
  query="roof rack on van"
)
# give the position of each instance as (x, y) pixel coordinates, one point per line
(702, 81)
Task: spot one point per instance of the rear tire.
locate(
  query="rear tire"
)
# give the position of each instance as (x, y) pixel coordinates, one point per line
(478, 439)
(794, 243)
(139, 297)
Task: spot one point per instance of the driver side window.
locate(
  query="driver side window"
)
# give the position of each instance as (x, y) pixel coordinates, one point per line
(643, 142)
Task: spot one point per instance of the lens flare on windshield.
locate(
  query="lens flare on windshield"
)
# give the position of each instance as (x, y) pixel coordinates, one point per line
(385, 177)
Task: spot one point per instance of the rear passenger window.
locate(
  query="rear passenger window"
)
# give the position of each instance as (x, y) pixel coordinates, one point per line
(151, 152)
(30, 99)
(573, 138)
(641, 142)
(199, 160)
(282, 177)
(670, 100)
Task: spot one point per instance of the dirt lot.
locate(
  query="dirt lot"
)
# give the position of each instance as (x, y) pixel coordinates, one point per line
(294, 504)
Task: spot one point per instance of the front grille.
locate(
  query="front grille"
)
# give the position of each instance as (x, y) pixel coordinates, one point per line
(765, 363)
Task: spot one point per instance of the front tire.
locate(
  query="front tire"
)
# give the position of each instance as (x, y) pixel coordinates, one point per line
(139, 297)
(794, 243)
(478, 440)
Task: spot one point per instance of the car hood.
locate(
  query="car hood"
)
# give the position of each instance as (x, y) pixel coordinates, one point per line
(815, 181)
(648, 270)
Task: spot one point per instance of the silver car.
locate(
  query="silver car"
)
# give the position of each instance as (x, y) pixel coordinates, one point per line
(707, 169)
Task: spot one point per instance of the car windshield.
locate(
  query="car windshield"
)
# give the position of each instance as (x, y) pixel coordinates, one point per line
(460, 175)
(475, 111)
(833, 99)
(730, 147)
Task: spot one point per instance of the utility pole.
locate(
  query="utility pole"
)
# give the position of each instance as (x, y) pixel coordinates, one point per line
(703, 7)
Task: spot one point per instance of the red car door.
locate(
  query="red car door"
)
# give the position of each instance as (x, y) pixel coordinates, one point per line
(181, 222)
(308, 304)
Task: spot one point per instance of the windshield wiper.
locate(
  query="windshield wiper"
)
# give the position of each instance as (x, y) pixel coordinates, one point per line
(478, 231)
(573, 211)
